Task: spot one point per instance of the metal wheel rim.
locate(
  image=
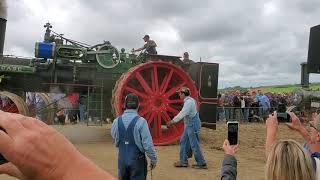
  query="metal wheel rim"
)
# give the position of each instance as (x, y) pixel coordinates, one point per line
(17, 104)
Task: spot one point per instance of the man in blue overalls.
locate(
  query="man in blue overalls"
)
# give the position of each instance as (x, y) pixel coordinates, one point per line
(132, 137)
(190, 137)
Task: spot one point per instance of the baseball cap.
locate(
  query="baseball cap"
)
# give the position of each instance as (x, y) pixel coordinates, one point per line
(183, 89)
(131, 101)
(146, 36)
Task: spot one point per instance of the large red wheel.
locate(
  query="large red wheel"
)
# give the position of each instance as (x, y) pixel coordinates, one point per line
(156, 83)
(12, 103)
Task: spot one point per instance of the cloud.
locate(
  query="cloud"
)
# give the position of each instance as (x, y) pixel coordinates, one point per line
(3, 9)
(256, 42)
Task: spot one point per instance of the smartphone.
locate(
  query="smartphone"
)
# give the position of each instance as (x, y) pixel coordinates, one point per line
(283, 117)
(282, 113)
(233, 128)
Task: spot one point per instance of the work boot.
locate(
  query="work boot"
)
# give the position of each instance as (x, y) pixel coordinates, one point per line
(181, 164)
(197, 166)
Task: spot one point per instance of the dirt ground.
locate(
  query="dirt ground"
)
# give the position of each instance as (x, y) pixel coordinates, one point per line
(96, 144)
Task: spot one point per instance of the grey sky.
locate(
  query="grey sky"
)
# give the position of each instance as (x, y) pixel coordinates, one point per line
(256, 42)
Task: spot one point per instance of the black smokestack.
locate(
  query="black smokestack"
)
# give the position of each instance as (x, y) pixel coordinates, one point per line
(3, 23)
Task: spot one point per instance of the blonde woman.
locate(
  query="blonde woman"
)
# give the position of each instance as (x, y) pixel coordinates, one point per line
(286, 159)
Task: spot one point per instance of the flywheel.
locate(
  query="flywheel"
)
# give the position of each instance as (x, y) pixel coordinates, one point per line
(155, 83)
(10, 102)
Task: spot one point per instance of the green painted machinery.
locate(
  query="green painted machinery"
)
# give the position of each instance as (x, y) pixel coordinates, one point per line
(104, 75)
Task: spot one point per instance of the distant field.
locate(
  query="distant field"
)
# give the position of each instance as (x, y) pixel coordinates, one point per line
(276, 89)
(287, 88)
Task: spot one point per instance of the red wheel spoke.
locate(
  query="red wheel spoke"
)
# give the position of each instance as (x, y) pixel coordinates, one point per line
(147, 116)
(167, 119)
(157, 127)
(165, 82)
(143, 83)
(144, 112)
(153, 86)
(174, 101)
(175, 128)
(136, 92)
(171, 109)
(155, 79)
(12, 108)
(151, 117)
(174, 90)
(143, 104)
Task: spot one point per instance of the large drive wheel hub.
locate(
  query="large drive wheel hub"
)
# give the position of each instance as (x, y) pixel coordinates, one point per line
(155, 83)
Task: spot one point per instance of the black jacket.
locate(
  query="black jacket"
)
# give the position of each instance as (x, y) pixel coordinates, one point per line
(229, 168)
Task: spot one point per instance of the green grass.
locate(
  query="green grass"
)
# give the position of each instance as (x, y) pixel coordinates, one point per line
(279, 88)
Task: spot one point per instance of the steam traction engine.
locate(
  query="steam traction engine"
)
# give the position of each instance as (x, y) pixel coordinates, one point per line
(107, 73)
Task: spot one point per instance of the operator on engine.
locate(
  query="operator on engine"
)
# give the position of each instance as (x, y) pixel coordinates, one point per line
(186, 58)
(132, 137)
(190, 137)
(149, 46)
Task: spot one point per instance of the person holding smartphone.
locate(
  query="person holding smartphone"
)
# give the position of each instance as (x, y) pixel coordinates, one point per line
(229, 163)
(190, 137)
(280, 155)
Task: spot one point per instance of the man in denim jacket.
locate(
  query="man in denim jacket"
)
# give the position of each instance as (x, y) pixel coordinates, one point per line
(132, 137)
(190, 137)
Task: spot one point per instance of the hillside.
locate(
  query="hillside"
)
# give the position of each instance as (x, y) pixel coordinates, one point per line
(276, 88)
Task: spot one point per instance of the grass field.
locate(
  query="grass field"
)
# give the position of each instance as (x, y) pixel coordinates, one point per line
(287, 88)
(276, 89)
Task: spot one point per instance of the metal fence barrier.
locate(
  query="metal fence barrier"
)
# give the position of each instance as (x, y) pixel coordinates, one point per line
(247, 114)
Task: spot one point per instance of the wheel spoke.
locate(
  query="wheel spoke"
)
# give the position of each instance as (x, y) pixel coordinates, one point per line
(171, 109)
(136, 92)
(151, 117)
(147, 115)
(155, 78)
(175, 128)
(174, 101)
(174, 90)
(153, 86)
(157, 126)
(12, 108)
(143, 83)
(143, 104)
(144, 112)
(167, 119)
(165, 82)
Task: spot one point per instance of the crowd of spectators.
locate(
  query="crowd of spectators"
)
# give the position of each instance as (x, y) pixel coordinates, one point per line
(250, 106)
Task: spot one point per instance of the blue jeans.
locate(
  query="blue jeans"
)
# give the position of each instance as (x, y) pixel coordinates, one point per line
(245, 112)
(228, 113)
(190, 138)
(82, 109)
(221, 113)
